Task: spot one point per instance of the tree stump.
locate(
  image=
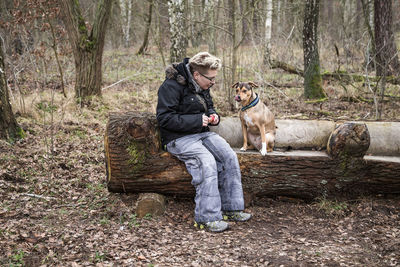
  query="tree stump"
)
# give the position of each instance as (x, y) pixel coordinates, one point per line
(150, 203)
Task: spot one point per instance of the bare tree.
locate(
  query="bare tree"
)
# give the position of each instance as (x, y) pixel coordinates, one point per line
(368, 12)
(87, 45)
(177, 29)
(268, 33)
(312, 76)
(209, 11)
(235, 38)
(145, 43)
(126, 17)
(387, 61)
(8, 124)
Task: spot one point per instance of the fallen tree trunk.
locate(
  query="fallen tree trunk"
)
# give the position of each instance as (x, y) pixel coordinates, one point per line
(346, 77)
(135, 163)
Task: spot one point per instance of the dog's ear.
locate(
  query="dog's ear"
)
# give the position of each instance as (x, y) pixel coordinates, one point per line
(253, 84)
(235, 85)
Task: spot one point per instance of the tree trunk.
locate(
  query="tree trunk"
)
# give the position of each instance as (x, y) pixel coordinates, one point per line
(126, 16)
(158, 35)
(387, 61)
(244, 14)
(256, 21)
(312, 77)
(8, 124)
(235, 46)
(87, 47)
(268, 33)
(367, 11)
(177, 30)
(136, 163)
(143, 48)
(209, 11)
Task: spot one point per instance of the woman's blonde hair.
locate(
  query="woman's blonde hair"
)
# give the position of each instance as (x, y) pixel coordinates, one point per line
(204, 61)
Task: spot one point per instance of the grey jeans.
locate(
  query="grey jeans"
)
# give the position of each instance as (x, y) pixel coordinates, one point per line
(215, 174)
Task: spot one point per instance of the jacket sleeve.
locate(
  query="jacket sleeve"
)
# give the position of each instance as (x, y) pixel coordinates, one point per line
(167, 112)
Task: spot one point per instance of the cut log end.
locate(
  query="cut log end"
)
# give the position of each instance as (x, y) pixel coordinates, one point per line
(349, 140)
(150, 203)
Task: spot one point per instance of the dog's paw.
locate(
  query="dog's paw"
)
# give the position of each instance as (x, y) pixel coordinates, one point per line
(243, 149)
(263, 152)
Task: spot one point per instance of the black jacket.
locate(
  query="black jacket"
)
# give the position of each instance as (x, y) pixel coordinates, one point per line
(179, 109)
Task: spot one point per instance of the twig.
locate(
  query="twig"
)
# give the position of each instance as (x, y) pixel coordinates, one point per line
(124, 79)
(280, 91)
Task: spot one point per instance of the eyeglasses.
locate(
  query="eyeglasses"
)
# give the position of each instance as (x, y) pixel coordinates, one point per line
(211, 79)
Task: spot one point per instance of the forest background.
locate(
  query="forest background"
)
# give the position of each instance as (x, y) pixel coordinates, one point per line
(55, 206)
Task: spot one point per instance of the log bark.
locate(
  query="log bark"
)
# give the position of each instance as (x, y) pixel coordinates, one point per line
(136, 163)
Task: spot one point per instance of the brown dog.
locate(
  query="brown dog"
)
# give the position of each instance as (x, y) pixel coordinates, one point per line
(258, 122)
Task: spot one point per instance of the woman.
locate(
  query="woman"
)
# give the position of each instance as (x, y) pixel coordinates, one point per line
(184, 112)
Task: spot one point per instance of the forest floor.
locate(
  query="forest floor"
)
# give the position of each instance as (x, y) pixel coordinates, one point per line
(56, 210)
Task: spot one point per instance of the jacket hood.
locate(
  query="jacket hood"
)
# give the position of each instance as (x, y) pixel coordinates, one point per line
(177, 71)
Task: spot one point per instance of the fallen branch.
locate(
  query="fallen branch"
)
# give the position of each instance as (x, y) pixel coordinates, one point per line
(346, 77)
(124, 79)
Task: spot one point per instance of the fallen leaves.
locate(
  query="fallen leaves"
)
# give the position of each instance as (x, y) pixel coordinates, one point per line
(57, 211)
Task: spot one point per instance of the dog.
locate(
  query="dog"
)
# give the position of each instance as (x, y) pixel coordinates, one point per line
(258, 122)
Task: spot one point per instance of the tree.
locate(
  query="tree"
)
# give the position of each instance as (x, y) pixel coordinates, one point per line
(145, 43)
(8, 125)
(177, 29)
(235, 40)
(126, 17)
(387, 61)
(268, 33)
(312, 75)
(209, 11)
(87, 45)
(368, 12)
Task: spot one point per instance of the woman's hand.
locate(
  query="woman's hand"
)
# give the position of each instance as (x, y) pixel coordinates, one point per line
(213, 119)
(205, 120)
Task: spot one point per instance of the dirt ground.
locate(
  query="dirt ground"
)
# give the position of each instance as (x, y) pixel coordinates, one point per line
(56, 210)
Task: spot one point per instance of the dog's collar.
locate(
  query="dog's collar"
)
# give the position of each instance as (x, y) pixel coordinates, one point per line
(252, 104)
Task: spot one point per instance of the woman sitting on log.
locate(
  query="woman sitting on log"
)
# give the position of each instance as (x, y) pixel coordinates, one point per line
(184, 112)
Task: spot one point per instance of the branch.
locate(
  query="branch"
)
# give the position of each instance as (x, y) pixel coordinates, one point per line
(347, 77)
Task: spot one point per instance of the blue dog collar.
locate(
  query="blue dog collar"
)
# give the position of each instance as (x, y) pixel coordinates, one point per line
(252, 104)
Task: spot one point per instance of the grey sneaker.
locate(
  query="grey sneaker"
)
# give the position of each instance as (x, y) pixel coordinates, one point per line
(236, 216)
(215, 226)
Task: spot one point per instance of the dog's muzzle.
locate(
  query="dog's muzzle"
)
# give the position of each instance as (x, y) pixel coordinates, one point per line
(237, 98)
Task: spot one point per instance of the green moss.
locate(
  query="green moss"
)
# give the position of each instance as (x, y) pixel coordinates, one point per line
(316, 101)
(20, 133)
(313, 80)
(137, 155)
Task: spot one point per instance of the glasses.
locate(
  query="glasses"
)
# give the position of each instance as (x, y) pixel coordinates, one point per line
(211, 79)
